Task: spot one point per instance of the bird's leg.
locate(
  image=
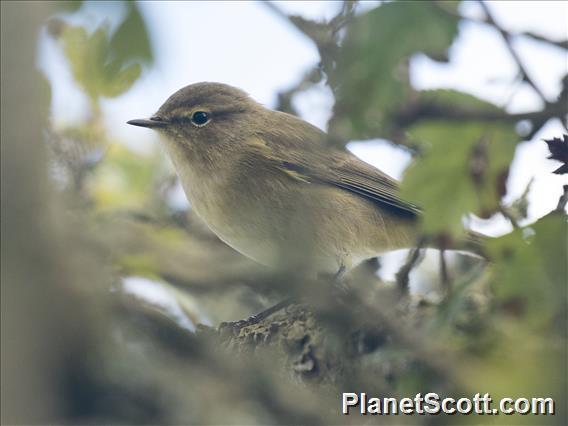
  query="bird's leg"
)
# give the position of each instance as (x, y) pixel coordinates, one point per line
(261, 316)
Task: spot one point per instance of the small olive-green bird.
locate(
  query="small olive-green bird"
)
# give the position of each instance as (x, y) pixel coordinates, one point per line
(269, 186)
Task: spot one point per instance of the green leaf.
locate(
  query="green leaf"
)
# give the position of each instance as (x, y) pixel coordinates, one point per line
(122, 180)
(449, 181)
(453, 98)
(371, 76)
(121, 81)
(69, 5)
(86, 54)
(131, 41)
(74, 41)
(530, 274)
(94, 58)
(94, 68)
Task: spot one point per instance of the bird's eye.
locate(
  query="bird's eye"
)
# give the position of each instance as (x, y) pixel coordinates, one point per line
(200, 118)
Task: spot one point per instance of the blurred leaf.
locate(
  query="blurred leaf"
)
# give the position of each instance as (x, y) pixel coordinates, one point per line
(448, 98)
(371, 77)
(69, 5)
(531, 274)
(93, 68)
(442, 182)
(138, 264)
(523, 363)
(94, 61)
(121, 81)
(123, 180)
(75, 40)
(45, 93)
(131, 41)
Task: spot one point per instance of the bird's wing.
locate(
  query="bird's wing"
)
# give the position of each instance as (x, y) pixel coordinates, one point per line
(353, 174)
(320, 163)
(347, 172)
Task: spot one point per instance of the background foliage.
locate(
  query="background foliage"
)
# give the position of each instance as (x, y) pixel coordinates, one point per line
(82, 215)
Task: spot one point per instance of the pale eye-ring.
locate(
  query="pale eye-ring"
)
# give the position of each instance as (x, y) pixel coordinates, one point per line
(200, 118)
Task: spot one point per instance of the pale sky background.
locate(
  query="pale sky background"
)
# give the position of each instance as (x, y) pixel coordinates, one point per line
(246, 45)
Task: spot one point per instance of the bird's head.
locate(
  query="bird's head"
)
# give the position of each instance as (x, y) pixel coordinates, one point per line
(205, 113)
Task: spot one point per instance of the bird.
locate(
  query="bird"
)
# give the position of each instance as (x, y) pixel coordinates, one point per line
(269, 185)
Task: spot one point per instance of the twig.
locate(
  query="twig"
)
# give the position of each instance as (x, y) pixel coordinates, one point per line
(507, 38)
(429, 110)
(517, 210)
(344, 16)
(563, 200)
(562, 44)
(277, 10)
(444, 273)
(318, 32)
(309, 79)
(325, 34)
(507, 214)
(403, 274)
(443, 242)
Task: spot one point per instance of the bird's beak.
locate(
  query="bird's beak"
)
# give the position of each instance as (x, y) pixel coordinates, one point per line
(152, 122)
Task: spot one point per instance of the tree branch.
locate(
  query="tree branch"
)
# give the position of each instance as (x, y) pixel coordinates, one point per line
(279, 12)
(563, 200)
(403, 275)
(285, 97)
(562, 44)
(432, 110)
(507, 38)
(344, 16)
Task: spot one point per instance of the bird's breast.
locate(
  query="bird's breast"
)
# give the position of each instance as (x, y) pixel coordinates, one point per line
(278, 221)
